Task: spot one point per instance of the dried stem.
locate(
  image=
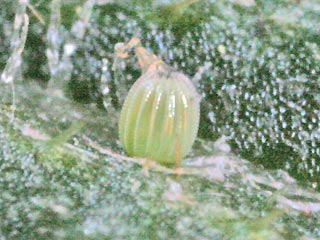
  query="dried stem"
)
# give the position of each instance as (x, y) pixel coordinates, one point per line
(36, 14)
(54, 40)
(18, 40)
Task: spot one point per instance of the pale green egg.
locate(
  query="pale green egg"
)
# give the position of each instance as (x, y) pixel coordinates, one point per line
(160, 116)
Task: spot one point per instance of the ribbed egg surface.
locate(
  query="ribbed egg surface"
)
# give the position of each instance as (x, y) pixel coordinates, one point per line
(160, 116)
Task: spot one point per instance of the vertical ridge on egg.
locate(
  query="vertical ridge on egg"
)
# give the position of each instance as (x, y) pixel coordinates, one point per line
(155, 121)
(160, 116)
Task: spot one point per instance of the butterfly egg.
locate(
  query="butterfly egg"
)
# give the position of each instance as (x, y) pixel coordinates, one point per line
(160, 117)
